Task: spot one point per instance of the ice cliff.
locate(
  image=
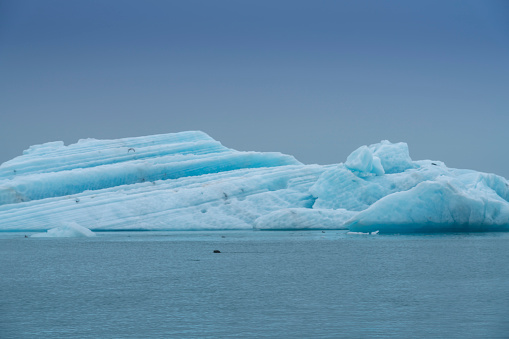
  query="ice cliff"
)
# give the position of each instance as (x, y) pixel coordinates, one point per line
(188, 180)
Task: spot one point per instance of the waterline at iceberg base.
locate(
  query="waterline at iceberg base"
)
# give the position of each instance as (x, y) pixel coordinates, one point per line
(189, 181)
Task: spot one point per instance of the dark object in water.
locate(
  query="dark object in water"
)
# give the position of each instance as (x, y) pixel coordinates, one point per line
(434, 164)
(130, 149)
(217, 251)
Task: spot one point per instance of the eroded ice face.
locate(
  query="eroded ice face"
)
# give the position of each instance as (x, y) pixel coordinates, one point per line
(190, 181)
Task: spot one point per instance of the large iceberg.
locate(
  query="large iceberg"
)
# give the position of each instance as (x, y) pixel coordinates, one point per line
(189, 181)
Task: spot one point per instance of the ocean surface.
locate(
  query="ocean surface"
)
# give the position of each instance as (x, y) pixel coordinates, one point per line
(275, 284)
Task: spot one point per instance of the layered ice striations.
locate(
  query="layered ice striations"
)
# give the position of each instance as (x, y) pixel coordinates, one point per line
(53, 170)
(189, 181)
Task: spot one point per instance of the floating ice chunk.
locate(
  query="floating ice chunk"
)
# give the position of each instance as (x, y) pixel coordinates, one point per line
(188, 180)
(363, 233)
(70, 229)
(304, 218)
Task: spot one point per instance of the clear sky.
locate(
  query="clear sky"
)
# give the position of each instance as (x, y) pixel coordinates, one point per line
(315, 79)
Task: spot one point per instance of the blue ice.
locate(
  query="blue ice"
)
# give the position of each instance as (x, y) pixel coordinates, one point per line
(189, 181)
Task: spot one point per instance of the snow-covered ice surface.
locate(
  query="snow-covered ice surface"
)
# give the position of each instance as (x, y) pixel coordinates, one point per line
(189, 181)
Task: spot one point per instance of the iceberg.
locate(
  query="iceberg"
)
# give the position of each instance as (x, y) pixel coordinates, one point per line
(189, 181)
(69, 230)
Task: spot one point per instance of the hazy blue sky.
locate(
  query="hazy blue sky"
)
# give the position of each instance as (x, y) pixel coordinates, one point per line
(315, 79)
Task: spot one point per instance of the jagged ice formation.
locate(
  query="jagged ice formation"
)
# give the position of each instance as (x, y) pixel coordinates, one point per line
(187, 180)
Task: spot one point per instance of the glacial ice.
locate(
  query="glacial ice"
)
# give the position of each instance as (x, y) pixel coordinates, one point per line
(69, 230)
(304, 219)
(189, 181)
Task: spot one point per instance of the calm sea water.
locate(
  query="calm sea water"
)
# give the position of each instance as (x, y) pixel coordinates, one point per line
(305, 284)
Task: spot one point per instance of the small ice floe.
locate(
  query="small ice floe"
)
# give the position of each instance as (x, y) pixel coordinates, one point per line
(364, 233)
(69, 230)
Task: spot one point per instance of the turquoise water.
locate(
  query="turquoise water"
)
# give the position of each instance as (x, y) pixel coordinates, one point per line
(262, 284)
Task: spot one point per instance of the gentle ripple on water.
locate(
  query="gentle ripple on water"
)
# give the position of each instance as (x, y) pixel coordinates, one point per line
(262, 284)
